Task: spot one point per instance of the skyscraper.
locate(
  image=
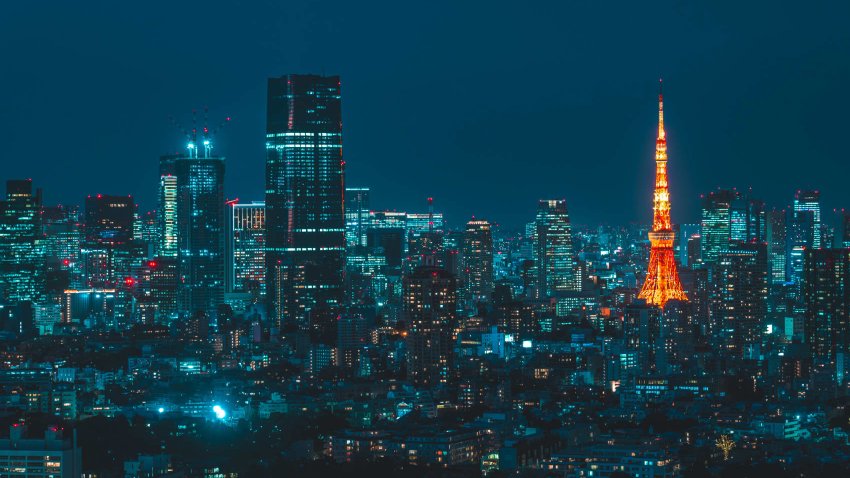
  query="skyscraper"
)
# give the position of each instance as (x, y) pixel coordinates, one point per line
(776, 239)
(810, 201)
(356, 216)
(478, 261)
(21, 254)
(200, 230)
(741, 299)
(716, 225)
(246, 267)
(430, 302)
(305, 222)
(662, 277)
(553, 249)
(167, 214)
(826, 294)
(109, 250)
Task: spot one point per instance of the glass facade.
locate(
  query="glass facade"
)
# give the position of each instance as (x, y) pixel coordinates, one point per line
(200, 233)
(553, 250)
(247, 245)
(305, 227)
(21, 248)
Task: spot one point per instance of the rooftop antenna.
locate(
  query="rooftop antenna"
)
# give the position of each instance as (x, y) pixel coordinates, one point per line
(430, 215)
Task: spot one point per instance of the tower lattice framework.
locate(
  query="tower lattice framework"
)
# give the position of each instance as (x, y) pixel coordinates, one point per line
(662, 277)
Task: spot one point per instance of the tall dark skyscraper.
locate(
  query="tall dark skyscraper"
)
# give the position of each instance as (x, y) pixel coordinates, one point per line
(776, 239)
(741, 300)
(826, 294)
(109, 249)
(200, 230)
(430, 303)
(305, 221)
(478, 261)
(21, 254)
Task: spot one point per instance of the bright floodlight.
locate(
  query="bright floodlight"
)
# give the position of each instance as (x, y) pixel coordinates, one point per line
(219, 412)
(161, 410)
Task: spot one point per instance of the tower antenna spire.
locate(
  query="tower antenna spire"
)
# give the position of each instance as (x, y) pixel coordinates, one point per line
(661, 133)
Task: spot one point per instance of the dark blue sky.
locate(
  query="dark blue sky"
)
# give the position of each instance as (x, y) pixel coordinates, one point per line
(487, 106)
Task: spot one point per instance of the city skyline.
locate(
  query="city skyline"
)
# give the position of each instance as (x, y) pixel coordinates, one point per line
(421, 245)
(724, 111)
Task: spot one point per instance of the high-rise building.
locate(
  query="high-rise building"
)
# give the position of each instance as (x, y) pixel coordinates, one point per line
(356, 216)
(305, 222)
(109, 219)
(430, 302)
(167, 212)
(62, 243)
(826, 294)
(776, 244)
(553, 249)
(810, 201)
(21, 248)
(716, 224)
(201, 230)
(741, 297)
(842, 231)
(109, 251)
(246, 266)
(662, 277)
(478, 261)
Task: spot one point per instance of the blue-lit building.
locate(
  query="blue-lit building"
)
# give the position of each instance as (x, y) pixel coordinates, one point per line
(246, 266)
(716, 224)
(201, 230)
(553, 250)
(21, 248)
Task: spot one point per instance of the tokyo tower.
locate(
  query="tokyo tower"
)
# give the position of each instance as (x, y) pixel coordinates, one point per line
(662, 278)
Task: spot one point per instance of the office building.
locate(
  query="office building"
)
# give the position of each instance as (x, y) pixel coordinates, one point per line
(826, 294)
(478, 261)
(716, 224)
(201, 230)
(430, 302)
(356, 216)
(21, 246)
(246, 266)
(53, 456)
(305, 223)
(741, 297)
(553, 249)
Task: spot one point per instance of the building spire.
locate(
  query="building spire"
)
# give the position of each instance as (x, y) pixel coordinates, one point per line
(661, 134)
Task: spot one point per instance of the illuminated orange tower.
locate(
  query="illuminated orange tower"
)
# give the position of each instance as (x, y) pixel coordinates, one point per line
(662, 279)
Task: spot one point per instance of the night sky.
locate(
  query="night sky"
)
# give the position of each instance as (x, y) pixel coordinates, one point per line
(487, 106)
